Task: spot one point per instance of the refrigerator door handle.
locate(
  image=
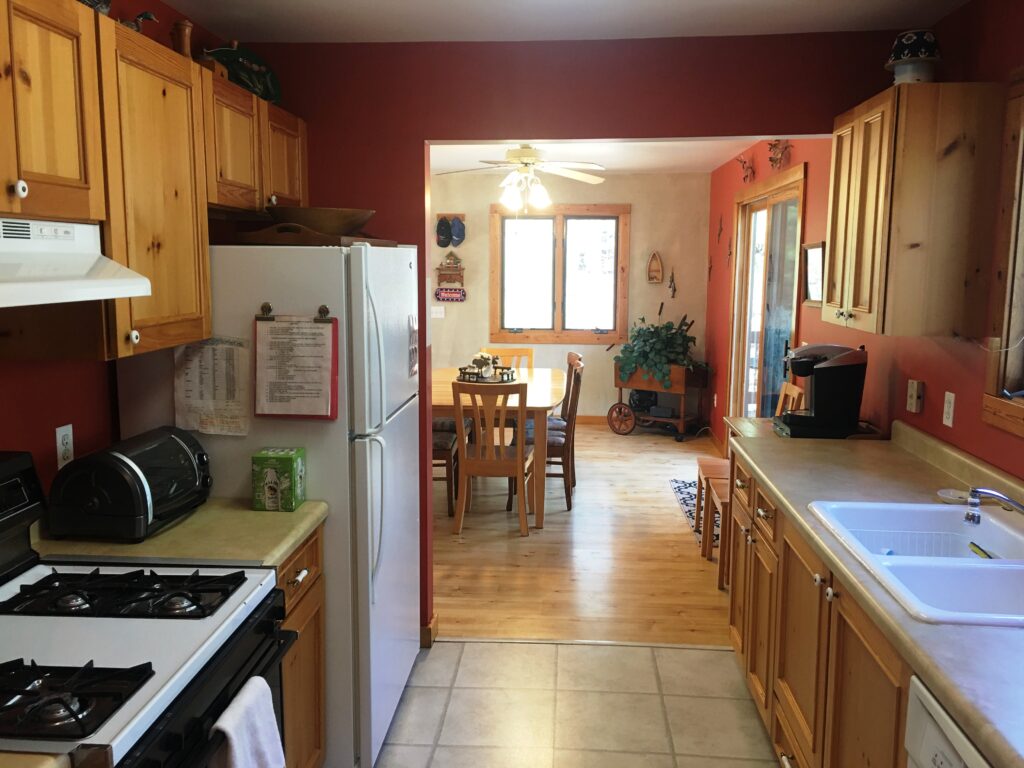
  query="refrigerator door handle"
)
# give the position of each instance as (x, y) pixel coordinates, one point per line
(380, 358)
(375, 565)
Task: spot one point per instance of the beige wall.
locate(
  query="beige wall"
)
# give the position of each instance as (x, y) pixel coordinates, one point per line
(670, 215)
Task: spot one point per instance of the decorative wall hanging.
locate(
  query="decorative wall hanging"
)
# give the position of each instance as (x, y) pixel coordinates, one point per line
(451, 229)
(718, 239)
(655, 270)
(728, 253)
(672, 284)
(449, 295)
(451, 270)
(813, 268)
(778, 153)
(748, 169)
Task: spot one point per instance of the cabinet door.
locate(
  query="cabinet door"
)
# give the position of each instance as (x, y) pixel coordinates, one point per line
(873, 161)
(285, 161)
(302, 682)
(739, 556)
(841, 207)
(49, 95)
(867, 691)
(784, 744)
(152, 106)
(801, 654)
(761, 624)
(233, 153)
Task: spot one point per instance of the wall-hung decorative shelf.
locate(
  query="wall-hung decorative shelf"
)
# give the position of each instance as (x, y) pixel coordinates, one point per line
(655, 270)
(451, 270)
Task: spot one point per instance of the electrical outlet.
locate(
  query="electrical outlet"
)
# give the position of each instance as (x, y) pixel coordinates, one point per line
(437, 312)
(915, 396)
(947, 409)
(65, 445)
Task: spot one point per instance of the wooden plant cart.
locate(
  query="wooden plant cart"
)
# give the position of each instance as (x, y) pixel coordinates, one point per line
(622, 419)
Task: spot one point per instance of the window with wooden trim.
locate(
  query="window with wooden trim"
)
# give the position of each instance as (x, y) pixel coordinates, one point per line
(561, 276)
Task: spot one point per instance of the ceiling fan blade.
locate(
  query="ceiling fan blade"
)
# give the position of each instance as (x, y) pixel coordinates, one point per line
(465, 170)
(574, 175)
(500, 163)
(579, 166)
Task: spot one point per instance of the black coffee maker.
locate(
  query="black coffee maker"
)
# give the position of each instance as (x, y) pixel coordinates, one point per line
(833, 388)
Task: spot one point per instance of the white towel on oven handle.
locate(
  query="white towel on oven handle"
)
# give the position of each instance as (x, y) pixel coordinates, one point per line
(249, 725)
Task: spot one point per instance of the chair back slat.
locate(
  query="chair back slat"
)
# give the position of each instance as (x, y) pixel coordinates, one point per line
(495, 409)
(572, 359)
(576, 376)
(791, 398)
(513, 357)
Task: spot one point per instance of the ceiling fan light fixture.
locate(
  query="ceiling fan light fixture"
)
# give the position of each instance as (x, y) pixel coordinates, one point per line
(538, 196)
(512, 198)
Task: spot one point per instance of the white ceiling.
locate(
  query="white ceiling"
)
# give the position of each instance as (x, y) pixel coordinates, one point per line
(676, 156)
(492, 20)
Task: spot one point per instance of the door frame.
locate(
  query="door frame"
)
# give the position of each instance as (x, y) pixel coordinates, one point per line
(783, 186)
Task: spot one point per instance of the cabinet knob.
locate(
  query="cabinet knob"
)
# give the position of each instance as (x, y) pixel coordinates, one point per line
(750, 539)
(740, 484)
(818, 579)
(19, 189)
(786, 761)
(300, 577)
(272, 200)
(831, 594)
(763, 514)
(134, 336)
(839, 313)
(850, 315)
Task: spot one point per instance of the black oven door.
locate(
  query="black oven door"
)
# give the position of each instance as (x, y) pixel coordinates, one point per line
(183, 737)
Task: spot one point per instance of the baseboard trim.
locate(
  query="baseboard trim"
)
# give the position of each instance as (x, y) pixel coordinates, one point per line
(428, 634)
(581, 419)
(714, 441)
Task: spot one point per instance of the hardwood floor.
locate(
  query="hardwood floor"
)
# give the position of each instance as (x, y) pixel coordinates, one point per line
(622, 566)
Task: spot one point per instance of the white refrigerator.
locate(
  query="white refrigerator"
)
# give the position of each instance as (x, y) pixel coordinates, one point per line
(365, 464)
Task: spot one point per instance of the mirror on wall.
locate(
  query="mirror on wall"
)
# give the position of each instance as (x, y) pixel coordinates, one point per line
(813, 264)
(1004, 402)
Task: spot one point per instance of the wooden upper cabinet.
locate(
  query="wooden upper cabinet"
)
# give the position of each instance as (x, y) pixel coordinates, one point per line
(233, 144)
(285, 160)
(910, 223)
(153, 113)
(50, 154)
(868, 683)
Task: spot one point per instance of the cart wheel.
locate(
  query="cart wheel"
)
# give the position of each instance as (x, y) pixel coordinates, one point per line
(621, 419)
(680, 437)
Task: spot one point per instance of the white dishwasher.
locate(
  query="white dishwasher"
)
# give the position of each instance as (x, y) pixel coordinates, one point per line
(933, 740)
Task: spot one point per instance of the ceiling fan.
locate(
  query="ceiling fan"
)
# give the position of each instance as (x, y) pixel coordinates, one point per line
(525, 158)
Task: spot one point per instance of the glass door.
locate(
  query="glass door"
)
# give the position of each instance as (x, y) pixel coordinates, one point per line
(767, 292)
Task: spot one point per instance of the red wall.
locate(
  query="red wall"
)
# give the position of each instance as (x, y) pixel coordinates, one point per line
(979, 42)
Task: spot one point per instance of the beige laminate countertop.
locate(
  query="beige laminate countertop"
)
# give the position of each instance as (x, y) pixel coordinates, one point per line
(976, 672)
(223, 531)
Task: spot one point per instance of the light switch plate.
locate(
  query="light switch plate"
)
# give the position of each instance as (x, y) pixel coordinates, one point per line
(947, 409)
(437, 312)
(65, 445)
(915, 396)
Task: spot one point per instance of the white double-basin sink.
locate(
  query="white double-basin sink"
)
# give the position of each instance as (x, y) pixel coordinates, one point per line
(922, 554)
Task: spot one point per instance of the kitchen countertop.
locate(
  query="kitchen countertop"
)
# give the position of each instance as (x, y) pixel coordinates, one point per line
(975, 671)
(222, 531)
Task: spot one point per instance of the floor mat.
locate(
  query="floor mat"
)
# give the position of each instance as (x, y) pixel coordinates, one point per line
(686, 495)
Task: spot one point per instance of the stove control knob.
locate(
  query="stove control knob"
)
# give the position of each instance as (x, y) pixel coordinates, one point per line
(202, 459)
(207, 481)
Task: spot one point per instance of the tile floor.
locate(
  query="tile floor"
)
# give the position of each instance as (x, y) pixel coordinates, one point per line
(547, 705)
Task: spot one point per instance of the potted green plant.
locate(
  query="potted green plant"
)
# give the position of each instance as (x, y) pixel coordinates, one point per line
(652, 352)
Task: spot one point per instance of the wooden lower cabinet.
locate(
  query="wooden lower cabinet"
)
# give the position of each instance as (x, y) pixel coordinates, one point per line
(302, 679)
(738, 571)
(867, 690)
(784, 744)
(761, 603)
(802, 641)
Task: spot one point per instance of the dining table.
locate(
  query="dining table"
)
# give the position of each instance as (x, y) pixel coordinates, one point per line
(545, 391)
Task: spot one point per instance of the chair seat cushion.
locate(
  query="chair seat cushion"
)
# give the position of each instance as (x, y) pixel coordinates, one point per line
(447, 424)
(554, 422)
(555, 438)
(444, 441)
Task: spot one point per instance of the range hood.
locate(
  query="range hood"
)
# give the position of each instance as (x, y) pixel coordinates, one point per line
(52, 262)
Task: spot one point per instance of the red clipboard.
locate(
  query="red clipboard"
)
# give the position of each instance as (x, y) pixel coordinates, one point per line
(319, 412)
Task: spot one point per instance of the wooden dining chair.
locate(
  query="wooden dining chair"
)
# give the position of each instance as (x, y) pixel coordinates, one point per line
(561, 445)
(791, 398)
(494, 409)
(513, 357)
(446, 456)
(558, 422)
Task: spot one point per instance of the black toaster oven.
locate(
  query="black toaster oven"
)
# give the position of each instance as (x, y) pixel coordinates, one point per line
(132, 489)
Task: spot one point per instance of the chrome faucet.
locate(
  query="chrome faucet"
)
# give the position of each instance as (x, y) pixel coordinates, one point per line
(974, 497)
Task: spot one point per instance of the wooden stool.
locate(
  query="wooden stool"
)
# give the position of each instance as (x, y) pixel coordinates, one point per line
(708, 469)
(721, 500)
(718, 502)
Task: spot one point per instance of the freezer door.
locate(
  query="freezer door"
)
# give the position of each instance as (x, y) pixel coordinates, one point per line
(387, 514)
(384, 328)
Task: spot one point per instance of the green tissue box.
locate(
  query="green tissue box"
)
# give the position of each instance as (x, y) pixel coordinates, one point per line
(278, 479)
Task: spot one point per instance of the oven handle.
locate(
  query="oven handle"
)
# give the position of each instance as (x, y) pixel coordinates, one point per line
(286, 639)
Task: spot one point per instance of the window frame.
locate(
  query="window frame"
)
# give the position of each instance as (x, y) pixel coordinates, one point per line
(559, 334)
